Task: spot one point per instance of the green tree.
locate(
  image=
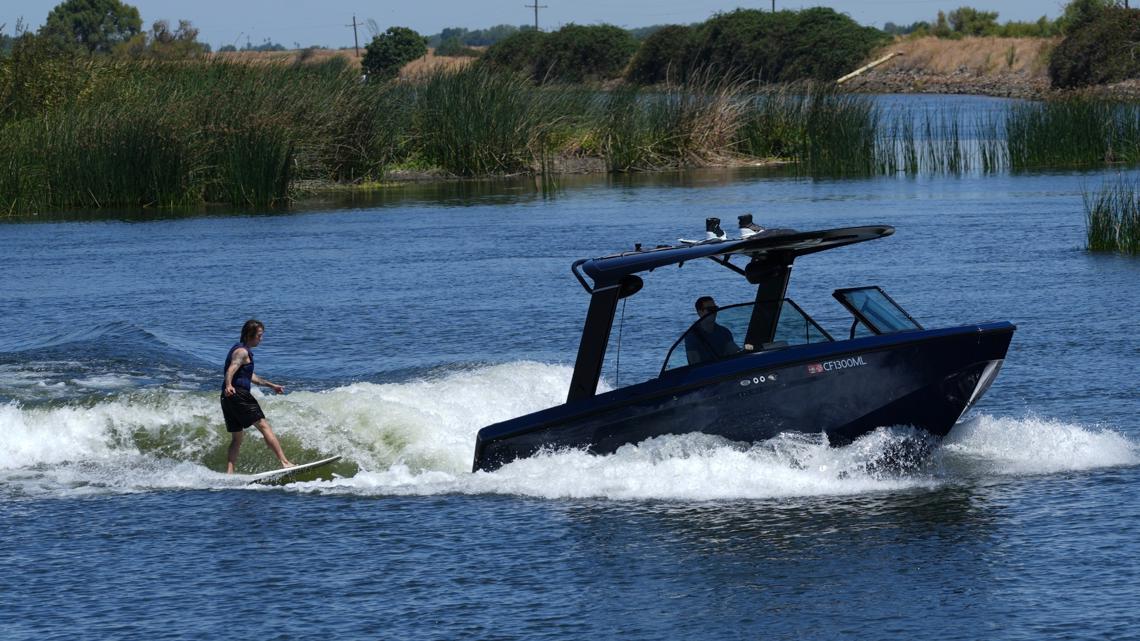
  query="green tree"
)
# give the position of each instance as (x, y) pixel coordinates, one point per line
(162, 43)
(1080, 12)
(94, 26)
(967, 21)
(391, 50)
(941, 27)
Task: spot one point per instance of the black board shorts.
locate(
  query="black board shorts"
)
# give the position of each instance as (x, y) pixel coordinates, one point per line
(241, 410)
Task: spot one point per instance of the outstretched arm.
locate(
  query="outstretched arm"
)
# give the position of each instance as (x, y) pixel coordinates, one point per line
(261, 381)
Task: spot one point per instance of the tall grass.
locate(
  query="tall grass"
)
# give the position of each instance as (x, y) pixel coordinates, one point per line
(1075, 132)
(474, 121)
(825, 132)
(174, 134)
(185, 133)
(993, 149)
(1112, 218)
(688, 123)
(626, 133)
(940, 142)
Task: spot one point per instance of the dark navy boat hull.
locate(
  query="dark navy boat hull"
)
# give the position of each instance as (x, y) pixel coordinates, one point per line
(844, 389)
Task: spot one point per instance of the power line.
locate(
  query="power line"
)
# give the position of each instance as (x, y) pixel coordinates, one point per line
(356, 42)
(536, 7)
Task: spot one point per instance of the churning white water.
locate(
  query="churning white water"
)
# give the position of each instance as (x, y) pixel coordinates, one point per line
(417, 437)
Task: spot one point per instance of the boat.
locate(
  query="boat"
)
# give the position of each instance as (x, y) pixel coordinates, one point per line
(786, 373)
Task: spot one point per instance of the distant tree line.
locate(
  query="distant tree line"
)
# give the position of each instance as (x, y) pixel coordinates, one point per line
(475, 37)
(968, 21)
(265, 45)
(780, 46)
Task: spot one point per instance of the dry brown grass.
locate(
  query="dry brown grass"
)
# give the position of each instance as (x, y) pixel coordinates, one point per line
(418, 67)
(431, 63)
(983, 57)
(285, 57)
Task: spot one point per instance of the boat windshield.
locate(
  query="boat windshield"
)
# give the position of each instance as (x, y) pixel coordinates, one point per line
(874, 309)
(723, 335)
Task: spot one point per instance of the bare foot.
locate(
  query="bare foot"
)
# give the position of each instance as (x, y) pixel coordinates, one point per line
(285, 464)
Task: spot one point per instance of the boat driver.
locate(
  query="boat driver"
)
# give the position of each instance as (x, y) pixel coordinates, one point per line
(708, 341)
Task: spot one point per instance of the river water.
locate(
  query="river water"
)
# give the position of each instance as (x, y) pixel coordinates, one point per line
(402, 324)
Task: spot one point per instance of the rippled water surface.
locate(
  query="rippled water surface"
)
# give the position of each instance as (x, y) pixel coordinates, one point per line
(402, 325)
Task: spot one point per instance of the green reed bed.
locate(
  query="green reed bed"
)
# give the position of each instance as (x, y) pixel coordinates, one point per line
(1112, 217)
(477, 122)
(943, 151)
(624, 131)
(896, 148)
(692, 123)
(826, 133)
(185, 133)
(939, 143)
(181, 134)
(993, 150)
(1075, 132)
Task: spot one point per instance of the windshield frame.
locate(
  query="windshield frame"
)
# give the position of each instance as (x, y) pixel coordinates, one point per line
(681, 339)
(842, 295)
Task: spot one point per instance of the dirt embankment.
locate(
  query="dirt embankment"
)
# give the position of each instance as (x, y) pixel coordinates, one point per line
(1013, 67)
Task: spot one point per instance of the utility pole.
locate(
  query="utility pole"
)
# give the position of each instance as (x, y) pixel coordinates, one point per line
(773, 6)
(356, 41)
(537, 6)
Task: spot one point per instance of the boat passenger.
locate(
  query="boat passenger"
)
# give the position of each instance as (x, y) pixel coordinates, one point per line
(708, 341)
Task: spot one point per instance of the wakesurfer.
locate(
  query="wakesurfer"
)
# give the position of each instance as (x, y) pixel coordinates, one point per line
(239, 406)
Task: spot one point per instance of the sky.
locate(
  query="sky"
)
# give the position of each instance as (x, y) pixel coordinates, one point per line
(329, 22)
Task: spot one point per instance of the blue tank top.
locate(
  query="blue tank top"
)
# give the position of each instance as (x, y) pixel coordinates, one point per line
(243, 378)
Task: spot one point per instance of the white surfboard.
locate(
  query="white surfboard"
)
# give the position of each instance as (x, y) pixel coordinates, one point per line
(273, 476)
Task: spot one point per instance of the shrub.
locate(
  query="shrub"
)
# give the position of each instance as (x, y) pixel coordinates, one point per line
(826, 45)
(1091, 51)
(391, 50)
(576, 53)
(661, 54)
(516, 52)
(749, 42)
(783, 46)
